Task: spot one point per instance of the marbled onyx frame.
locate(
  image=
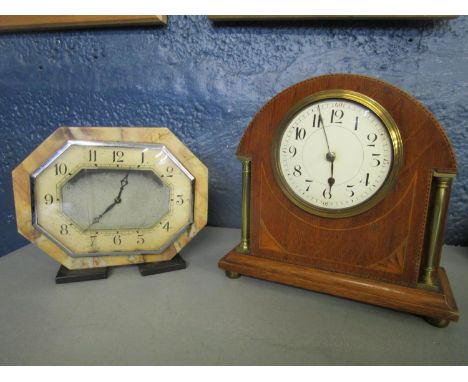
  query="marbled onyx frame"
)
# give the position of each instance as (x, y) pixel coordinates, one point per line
(22, 187)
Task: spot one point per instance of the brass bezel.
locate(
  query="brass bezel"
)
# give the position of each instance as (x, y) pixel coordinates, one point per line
(388, 122)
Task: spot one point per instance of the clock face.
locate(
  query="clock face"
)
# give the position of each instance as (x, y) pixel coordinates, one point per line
(335, 156)
(96, 198)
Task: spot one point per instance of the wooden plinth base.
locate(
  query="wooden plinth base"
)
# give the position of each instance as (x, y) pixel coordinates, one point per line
(436, 305)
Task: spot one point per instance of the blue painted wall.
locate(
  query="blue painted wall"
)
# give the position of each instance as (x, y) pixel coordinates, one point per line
(206, 82)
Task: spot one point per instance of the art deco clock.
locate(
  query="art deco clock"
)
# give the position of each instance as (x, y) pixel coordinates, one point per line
(98, 197)
(346, 182)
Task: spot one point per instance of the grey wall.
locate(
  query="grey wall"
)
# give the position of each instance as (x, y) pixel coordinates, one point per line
(206, 82)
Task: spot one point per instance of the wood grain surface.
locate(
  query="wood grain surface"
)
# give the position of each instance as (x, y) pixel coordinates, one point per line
(384, 244)
(440, 305)
(23, 23)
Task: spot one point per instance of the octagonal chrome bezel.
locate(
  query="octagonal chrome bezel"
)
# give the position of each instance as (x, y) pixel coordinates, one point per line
(70, 143)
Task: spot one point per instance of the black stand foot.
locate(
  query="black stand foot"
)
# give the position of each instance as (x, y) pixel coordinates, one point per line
(438, 323)
(174, 264)
(233, 275)
(65, 275)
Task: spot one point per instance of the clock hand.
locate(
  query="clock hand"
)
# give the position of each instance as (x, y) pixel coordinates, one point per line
(331, 156)
(331, 180)
(323, 128)
(123, 183)
(99, 217)
(117, 200)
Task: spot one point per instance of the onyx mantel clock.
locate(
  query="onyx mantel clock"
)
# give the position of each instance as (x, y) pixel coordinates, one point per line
(93, 198)
(346, 183)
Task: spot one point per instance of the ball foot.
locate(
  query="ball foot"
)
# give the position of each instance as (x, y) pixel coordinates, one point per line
(232, 275)
(438, 323)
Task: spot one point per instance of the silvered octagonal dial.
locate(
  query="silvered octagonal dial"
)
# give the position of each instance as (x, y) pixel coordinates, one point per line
(114, 193)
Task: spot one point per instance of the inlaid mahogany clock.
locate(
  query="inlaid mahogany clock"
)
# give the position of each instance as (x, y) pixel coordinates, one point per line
(346, 182)
(98, 197)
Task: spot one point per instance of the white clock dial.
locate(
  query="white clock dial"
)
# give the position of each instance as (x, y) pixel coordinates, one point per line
(335, 154)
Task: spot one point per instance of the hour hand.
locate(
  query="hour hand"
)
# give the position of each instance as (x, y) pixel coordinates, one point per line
(331, 158)
(123, 183)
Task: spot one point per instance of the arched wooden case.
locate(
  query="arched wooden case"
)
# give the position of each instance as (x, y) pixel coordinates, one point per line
(388, 255)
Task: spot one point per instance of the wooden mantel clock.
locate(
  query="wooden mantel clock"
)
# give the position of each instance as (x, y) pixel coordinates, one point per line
(346, 183)
(94, 198)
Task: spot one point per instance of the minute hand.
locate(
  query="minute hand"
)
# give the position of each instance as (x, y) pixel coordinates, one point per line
(98, 218)
(330, 155)
(323, 128)
(116, 201)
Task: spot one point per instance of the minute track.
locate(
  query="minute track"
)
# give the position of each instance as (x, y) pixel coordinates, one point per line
(342, 158)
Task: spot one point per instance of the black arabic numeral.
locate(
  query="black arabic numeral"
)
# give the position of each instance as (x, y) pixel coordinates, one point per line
(117, 240)
(166, 226)
(92, 156)
(170, 171)
(292, 151)
(297, 170)
(371, 137)
(63, 229)
(60, 169)
(349, 188)
(326, 193)
(317, 120)
(49, 199)
(356, 123)
(375, 160)
(140, 239)
(365, 180)
(180, 200)
(300, 133)
(117, 156)
(336, 116)
(93, 240)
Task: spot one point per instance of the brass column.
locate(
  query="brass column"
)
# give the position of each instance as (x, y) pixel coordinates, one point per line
(244, 246)
(442, 184)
